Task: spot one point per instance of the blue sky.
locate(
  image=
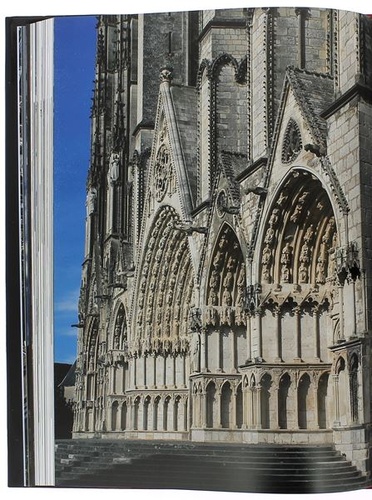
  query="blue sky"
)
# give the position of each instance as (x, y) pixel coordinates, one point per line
(74, 49)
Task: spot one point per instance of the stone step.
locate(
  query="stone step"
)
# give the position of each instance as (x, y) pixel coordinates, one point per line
(204, 466)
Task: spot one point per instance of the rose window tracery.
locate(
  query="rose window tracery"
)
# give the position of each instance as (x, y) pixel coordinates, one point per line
(162, 173)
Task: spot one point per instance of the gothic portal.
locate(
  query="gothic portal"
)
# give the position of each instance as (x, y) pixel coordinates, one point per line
(226, 287)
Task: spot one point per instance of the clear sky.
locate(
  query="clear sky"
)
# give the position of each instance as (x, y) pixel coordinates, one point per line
(75, 45)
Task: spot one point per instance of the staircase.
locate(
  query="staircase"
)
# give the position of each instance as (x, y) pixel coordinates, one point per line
(204, 466)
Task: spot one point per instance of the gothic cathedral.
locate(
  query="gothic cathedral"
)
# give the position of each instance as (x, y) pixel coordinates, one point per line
(226, 286)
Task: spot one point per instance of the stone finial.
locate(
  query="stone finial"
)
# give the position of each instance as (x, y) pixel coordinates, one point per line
(166, 74)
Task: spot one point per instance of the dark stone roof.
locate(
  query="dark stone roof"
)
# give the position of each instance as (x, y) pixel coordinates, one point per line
(69, 379)
(232, 164)
(185, 108)
(314, 93)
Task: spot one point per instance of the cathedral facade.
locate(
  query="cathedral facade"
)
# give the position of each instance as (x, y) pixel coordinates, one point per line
(226, 286)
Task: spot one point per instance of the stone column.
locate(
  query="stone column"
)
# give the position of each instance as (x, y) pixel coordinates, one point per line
(293, 392)
(219, 412)
(154, 370)
(150, 416)
(183, 370)
(314, 388)
(119, 418)
(277, 314)
(258, 407)
(298, 353)
(249, 337)
(165, 371)
(337, 421)
(233, 351)
(316, 333)
(140, 415)
(161, 415)
(174, 370)
(274, 413)
(203, 350)
(109, 417)
(218, 346)
(341, 311)
(145, 383)
(233, 410)
(258, 315)
(245, 407)
(204, 404)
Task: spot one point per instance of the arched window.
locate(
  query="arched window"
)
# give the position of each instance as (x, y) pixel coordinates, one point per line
(303, 401)
(239, 406)
(120, 330)
(284, 385)
(354, 387)
(266, 383)
(226, 404)
(323, 401)
(211, 405)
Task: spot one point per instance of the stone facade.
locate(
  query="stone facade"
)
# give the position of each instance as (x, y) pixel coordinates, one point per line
(226, 286)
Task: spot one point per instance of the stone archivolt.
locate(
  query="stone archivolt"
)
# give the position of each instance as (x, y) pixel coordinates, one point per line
(165, 290)
(225, 304)
(300, 238)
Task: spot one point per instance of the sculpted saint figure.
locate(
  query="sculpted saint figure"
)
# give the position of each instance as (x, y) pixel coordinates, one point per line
(114, 168)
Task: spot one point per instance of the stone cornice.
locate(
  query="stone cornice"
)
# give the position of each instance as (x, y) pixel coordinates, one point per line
(202, 206)
(251, 168)
(143, 125)
(357, 90)
(230, 24)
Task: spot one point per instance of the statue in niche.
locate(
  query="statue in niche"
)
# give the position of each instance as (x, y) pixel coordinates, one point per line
(217, 259)
(195, 352)
(331, 262)
(211, 316)
(223, 242)
(328, 230)
(228, 281)
(265, 274)
(274, 217)
(305, 254)
(226, 298)
(302, 273)
(214, 282)
(285, 274)
(117, 337)
(320, 271)
(282, 198)
(114, 168)
(285, 258)
(266, 256)
(213, 298)
(91, 201)
(309, 233)
(296, 213)
(269, 237)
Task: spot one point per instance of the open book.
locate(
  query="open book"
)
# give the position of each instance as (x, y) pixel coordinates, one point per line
(223, 314)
